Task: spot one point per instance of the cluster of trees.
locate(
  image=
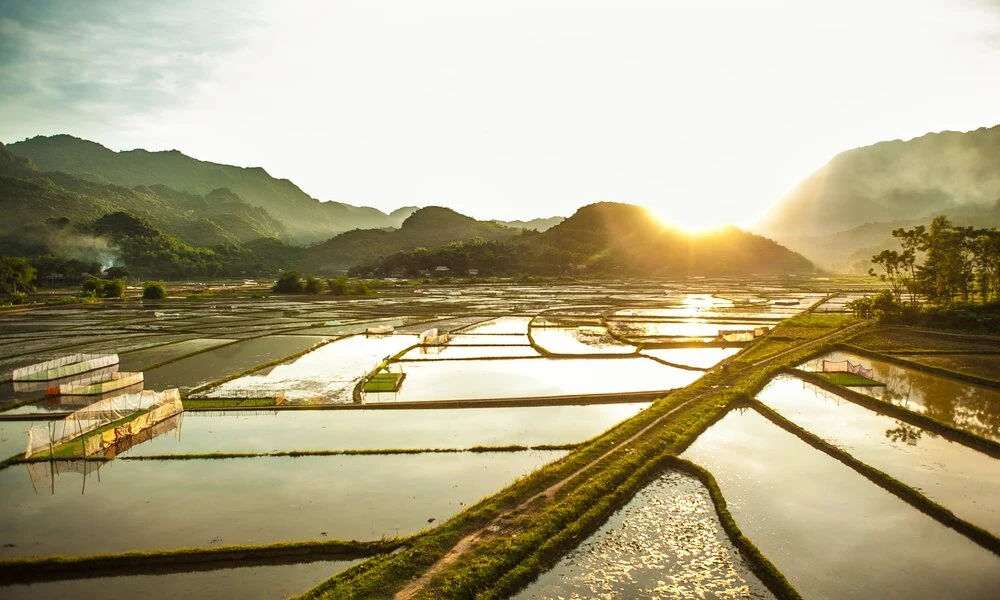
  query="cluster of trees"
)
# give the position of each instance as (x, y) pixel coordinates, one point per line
(943, 276)
(95, 287)
(942, 263)
(292, 282)
(17, 277)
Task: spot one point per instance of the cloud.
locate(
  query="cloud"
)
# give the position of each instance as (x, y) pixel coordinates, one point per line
(63, 62)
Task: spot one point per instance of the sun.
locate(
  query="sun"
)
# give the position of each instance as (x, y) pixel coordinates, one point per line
(692, 218)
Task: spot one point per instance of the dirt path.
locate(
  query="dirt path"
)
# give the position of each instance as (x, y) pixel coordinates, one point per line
(503, 522)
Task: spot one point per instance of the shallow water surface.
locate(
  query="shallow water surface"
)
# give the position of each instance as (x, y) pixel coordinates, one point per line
(830, 531)
(463, 351)
(702, 358)
(579, 340)
(667, 542)
(145, 505)
(147, 357)
(327, 374)
(970, 407)
(216, 364)
(517, 378)
(378, 429)
(963, 480)
(264, 582)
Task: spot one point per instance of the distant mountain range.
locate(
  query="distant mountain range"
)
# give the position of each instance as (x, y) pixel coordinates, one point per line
(305, 219)
(606, 238)
(845, 212)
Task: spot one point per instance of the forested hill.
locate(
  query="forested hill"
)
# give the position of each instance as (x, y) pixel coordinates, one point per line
(892, 181)
(605, 238)
(428, 227)
(305, 219)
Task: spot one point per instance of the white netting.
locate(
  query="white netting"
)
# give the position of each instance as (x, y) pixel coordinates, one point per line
(738, 335)
(432, 337)
(380, 330)
(65, 366)
(158, 406)
(846, 366)
(93, 387)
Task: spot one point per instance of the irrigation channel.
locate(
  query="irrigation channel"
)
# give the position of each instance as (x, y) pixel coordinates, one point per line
(552, 445)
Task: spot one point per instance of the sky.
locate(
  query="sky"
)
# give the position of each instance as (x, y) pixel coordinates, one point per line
(706, 111)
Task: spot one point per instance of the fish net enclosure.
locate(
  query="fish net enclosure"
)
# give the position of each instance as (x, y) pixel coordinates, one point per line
(65, 366)
(846, 366)
(94, 387)
(129, 414)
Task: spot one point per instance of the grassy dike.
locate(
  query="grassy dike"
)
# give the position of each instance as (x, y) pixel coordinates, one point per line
(508, 539)
(53, 568)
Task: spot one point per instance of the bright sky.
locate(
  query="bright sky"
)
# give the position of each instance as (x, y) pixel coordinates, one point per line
(706, 111)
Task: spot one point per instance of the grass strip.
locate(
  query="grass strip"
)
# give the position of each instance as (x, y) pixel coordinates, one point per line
(945, 430)
(887, 482)
(51, 568)
(358, 452)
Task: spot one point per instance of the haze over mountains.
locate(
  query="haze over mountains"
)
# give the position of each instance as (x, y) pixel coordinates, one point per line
(845, 212)
(837, 217)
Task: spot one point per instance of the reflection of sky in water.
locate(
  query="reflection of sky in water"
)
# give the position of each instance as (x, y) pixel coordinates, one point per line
(260, 582)
(667, 542)
(830, 531)
(515, 378)
(378, 429)
(329, 372)
(965, 481)
(501, 325)
(578, 340)
(703, 358)
(146, 505)
(974, 408)
(462, 351)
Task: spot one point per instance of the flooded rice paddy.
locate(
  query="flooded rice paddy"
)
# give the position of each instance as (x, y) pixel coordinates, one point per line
(327, 374)
(282, 431)
(701, 358)
(524, 378)
(206, 367)
(964, 480)
(830, 531)
(579, 340)
(218, 502)
(967, 406)
(979, 365)
(667, 542)
(263, 582)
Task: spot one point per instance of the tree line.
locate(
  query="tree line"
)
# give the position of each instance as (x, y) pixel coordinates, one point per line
(938, 268)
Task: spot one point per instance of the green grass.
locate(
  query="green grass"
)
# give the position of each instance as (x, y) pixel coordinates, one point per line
(849, 379)
(888, 339)
(384, 382)
(223, 403)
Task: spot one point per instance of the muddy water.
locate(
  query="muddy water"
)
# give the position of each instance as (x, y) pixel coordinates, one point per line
(961, 479)
(13, 437)
(830, 531)
(702, 358)
(327, 374)
(258, 582)
(973, 408)
(216, 364)
(515, 378)
(579, 340)
(667, 542)
(378, 429)
(143, 359)
(146, 505)
(981, 365)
